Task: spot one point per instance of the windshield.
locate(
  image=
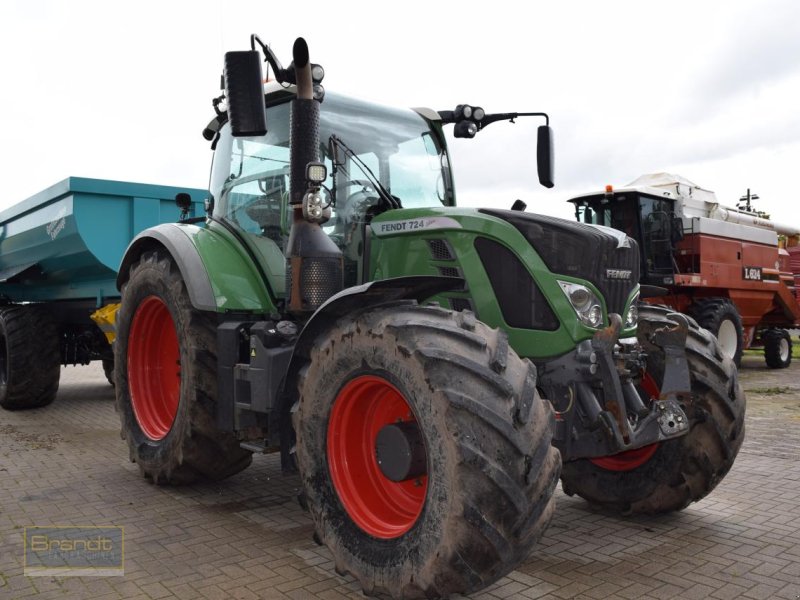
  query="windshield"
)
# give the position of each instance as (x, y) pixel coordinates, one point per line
(382, 154)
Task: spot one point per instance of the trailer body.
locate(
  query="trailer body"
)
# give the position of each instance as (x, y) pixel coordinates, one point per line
(61, 249)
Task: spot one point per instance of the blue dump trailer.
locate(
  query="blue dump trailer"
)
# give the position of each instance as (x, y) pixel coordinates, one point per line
(60, 252)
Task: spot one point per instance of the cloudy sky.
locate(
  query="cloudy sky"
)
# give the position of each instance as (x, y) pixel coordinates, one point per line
(708, 90)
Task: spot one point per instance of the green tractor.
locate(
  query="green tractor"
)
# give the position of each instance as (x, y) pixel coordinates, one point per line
(430, 371)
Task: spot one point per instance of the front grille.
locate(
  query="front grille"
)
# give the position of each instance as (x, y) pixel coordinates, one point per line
(521, 301)
(582, 251)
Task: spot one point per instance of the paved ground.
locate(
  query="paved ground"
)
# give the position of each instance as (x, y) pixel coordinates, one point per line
(247, 538)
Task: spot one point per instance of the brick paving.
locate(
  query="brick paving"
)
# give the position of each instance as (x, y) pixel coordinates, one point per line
(247, 537)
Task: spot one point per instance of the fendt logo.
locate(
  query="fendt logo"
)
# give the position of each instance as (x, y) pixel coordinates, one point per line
(618, 273)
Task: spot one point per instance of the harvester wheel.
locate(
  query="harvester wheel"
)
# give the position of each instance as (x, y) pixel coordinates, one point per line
(685, 469)
(424, 450)
(166, 380)
(777, 348)
(720, 317)
(30, 361)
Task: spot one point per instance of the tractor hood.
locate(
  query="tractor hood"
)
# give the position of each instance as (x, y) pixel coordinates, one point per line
(579, 250)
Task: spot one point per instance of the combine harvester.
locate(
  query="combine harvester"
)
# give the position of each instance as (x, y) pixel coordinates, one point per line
(735, 270)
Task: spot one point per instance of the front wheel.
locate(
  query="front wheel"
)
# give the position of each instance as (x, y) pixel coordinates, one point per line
(424, 450)
(671, 475)
(166, 384)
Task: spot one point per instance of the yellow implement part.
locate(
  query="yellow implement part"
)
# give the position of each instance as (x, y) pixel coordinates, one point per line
(106, 318)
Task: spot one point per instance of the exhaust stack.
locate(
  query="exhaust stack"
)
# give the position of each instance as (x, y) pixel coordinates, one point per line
(314, 268)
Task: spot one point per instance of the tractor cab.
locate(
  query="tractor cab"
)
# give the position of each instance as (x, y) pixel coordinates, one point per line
(376, 158)
(648, 219)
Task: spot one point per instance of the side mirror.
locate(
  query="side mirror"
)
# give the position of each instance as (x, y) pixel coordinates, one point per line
(245, 92)
(544, 155)
(184, 202)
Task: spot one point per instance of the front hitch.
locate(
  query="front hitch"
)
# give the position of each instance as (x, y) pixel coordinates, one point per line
(604, 412)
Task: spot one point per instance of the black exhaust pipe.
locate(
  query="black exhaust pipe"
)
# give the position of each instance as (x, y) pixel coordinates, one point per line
(314, 270)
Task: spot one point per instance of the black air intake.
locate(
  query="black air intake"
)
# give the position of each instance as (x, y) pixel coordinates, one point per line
(581, 250)
(521, 301)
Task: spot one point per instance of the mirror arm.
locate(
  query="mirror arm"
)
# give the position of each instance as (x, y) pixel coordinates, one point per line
(449, 116)
(281, 75)
(488, 119)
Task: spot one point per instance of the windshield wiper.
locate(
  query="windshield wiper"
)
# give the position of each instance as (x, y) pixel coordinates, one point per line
(392, 201)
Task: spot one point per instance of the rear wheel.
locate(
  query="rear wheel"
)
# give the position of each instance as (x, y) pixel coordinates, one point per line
(166, 380)
(720, 317)
(777, 348)
(672, 474)
(424, 450)
(30, 362)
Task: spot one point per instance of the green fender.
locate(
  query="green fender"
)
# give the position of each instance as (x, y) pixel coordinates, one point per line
(346, 302)
(220, 274)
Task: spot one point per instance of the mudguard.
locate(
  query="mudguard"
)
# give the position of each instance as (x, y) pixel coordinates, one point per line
(218, 275)
(346, 302)
(416, 287)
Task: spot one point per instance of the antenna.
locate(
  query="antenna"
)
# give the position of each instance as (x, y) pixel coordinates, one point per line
(744, 201)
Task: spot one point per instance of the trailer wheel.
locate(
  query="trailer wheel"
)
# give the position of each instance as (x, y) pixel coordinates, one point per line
(424, 450)
(108, 369)
(720, 317)
(777, 348)
(166, 380)
(30, 361)
(685, 469)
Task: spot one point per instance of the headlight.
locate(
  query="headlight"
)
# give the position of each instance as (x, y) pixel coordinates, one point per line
(586, 305)
(632, 316)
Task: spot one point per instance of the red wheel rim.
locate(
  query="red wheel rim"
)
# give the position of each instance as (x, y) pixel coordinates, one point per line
(379, 506)
(154, 377)
(631, 459)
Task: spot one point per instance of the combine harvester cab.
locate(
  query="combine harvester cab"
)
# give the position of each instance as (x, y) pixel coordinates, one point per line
(733, 269)
(59, 254)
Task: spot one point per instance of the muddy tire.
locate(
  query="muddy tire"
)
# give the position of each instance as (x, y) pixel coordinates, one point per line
(685, 469)
(30, 361)
(166, 382)
(720, 317)
(777, 348)
(482, 435)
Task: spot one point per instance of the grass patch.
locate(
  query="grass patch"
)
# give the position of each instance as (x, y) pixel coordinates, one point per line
(770, 391)
(760, 351)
